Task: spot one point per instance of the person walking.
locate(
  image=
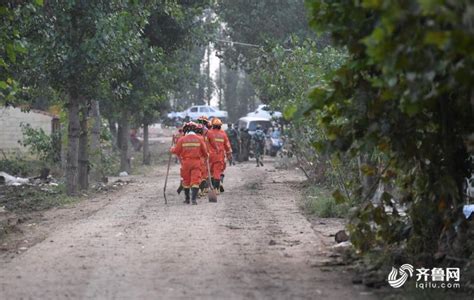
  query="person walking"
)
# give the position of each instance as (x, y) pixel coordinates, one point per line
(234, 140)
(191, 148)
(259, 144)
(245, 139)
(219, 150)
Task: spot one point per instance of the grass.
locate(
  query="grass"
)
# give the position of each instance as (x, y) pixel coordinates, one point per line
(27, 198)
(319, 201)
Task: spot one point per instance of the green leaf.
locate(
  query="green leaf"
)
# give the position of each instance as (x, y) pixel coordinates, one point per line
(368, 170)
(10, 49)
(3, 85)
(290, 111)
(338, 197)
(429, 6)
(371, 3)
(437, 38)
(39, 2)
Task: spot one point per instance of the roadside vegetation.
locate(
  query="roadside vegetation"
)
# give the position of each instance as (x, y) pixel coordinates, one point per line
(380, 108)
(377, 96)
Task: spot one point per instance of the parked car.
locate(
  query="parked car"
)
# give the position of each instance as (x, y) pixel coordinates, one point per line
(194, 112)
(264, 111)
(176, 115)
(251, 123)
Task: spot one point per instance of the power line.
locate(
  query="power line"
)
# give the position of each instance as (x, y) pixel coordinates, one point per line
(238, 43)
(246, 44)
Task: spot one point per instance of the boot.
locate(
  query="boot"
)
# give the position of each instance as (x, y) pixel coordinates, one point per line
(221, 188)
(180, 189)
(194, 192)
(186, 195)
(261, 163)
(217, 186)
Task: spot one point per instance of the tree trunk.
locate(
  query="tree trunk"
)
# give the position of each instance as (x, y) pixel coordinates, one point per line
(124, 137)
(72, 146)
(95, 150)
(367, 182)
(146, 150)
(119, 135)
(114, 133)
(84, 148)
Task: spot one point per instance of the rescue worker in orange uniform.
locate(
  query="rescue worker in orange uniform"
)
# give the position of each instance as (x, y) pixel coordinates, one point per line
(204, 186)
(176, 138)
(191, 148)
(219, 150)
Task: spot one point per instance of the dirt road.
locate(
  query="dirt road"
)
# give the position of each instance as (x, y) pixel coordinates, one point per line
(253, 244)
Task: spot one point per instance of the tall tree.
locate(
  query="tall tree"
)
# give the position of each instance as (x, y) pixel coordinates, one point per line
(405, 94)
(78, 42)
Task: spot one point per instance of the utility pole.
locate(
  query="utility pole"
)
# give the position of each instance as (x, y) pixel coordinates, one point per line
(219, 90)
(209, 80)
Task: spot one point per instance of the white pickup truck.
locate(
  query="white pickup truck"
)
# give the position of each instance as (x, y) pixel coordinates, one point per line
(194, 112)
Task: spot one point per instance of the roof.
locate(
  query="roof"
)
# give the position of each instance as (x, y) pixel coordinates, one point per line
(254, 119)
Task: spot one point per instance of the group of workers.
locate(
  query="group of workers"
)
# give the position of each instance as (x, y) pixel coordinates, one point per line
(202, 148)
(241, 142)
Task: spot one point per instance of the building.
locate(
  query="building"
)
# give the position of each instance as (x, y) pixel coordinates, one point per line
(11, 119)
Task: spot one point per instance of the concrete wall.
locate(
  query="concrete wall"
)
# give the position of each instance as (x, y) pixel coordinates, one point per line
(10, 130)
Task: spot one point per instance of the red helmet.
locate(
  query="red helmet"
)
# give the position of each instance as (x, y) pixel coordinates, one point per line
(216, 122)
(199, 128)
(203, 119)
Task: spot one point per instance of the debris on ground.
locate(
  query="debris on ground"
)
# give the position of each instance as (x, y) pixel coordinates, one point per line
(8, 179)
(112, 184)
(468, 210)
(123, 174)
(342, 247)
(43, 179)
(341, 236)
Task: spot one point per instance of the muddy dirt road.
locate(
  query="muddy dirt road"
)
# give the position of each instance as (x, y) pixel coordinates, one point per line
(253, 244)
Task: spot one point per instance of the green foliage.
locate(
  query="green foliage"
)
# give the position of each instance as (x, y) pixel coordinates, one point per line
(39, 143)
(261, 23)
(405, 94)
(282, 79)
(12, 46)
(15, 167)
(28, 198)
(319, 201)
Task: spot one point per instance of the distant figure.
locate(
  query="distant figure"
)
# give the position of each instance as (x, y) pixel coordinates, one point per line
(276, 134)
(234, 139)
(259, 145)
(136, 142)
(244, 144)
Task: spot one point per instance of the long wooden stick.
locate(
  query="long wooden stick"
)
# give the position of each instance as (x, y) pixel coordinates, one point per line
(166, 178)
(168, 172)
(211, 195)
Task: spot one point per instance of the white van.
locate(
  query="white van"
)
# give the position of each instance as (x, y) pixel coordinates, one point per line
(251, 123)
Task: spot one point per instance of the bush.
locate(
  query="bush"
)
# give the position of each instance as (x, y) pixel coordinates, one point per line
(320, 203)
(16, 167)
(39, 143)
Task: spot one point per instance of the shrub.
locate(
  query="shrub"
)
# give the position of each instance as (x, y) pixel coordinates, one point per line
(39, 143)
(320, 202)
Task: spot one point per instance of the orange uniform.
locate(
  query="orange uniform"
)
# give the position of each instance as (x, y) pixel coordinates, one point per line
(190, 148)
(204, 170)
(177, 136)
(219, 147)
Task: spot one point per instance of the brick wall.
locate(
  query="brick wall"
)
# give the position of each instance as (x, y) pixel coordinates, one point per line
(10, 130)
